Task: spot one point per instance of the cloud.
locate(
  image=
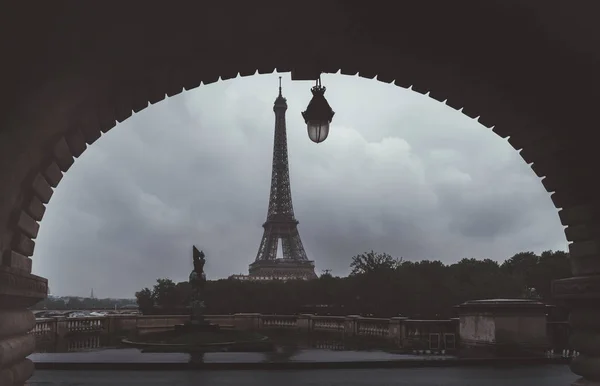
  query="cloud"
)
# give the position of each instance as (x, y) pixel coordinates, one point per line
(400, 173)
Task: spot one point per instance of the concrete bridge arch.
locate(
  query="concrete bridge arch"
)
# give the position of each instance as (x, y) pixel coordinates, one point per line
(528, 70)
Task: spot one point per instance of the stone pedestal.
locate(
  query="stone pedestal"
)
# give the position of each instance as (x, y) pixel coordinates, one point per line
(247, 321)
(62, 328)
(350, 325)
(398, 328)
(502, 328)
(18, 290)
(305, 322)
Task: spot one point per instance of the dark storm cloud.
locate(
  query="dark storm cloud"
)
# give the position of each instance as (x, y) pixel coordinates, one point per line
(401, 173)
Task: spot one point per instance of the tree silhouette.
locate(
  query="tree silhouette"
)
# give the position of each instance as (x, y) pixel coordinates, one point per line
(382, 286)
(371, 262)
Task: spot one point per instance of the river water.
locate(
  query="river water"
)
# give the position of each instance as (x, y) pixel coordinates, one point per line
(290, 348)
(553, 375)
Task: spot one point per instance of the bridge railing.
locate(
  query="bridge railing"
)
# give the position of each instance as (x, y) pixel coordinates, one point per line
(421, 335)
(279, 321)
(373, 327)
(66, 326)
(123, 324)
(44, 326)
(85, 324)
(328, 323)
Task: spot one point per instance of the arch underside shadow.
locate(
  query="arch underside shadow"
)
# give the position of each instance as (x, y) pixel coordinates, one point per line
(138, 65)
(536, 91)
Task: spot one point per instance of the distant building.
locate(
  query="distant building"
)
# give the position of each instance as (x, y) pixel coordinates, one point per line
(129, 307)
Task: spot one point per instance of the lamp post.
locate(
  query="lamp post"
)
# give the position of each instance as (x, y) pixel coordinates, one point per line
(318, 114)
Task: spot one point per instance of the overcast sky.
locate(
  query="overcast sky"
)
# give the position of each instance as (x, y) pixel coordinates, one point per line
(400, 173)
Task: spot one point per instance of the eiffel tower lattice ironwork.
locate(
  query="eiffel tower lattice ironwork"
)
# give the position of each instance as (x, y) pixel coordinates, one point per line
(281, 223)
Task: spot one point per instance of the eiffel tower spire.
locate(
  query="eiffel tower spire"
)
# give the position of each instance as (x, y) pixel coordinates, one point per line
(281, 222)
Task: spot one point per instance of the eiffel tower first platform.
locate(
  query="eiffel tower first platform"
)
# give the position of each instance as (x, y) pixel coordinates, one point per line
(281, 223)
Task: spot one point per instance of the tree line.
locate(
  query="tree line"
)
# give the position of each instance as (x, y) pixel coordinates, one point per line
(379, 285)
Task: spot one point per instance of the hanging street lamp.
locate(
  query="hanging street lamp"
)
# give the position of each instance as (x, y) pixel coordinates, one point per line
(318, 114)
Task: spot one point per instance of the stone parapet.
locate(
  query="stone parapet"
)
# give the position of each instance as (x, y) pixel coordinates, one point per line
(578, 289)
(503, 327)
(247, 321)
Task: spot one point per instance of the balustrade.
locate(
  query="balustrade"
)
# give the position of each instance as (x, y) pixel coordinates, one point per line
(84, 344)
(333, 346)
(64, 326)
(279, 321)
(422, 336)
(328, 323)
(43, 327)
(85, 324)
(373, 327)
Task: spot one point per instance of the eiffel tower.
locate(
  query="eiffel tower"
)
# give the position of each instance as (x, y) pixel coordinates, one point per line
(281, 222)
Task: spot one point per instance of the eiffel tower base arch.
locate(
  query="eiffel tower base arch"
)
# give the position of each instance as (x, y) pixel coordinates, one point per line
(282, 269)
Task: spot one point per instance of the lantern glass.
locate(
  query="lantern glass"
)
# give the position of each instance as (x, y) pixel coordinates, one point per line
(317, 130)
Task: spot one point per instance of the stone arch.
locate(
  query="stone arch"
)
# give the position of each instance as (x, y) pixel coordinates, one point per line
(519, 81)
(88, 127)
(60, 152)
(146, 77)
